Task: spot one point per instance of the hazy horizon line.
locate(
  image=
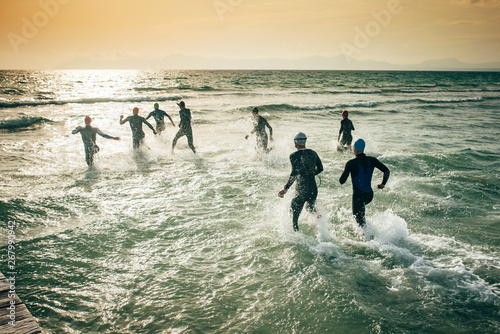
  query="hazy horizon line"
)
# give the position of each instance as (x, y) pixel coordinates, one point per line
(339, 62)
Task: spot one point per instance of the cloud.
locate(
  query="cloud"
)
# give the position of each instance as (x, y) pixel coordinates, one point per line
(458, 23)
(481, 3)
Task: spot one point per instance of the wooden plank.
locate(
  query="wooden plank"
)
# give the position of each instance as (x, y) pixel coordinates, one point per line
(24, 321)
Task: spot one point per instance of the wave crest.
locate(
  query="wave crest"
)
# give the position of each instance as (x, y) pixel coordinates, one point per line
(285, 106)
(22, 122)
(16, 104)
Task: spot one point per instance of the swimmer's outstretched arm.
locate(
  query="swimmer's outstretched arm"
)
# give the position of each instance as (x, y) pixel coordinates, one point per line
(253, 131)
(123, 121)
(291, 180)
(170, 118)
(149, 125)
(76, 130)
(102, 134)
(287, 186)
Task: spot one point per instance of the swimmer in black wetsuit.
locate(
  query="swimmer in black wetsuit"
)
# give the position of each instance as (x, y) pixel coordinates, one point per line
(361, 170)
(159, 116)
(306, 164)
(185, 127)
(88, 134)
(136, 122)
(260, 124)
(346, 127)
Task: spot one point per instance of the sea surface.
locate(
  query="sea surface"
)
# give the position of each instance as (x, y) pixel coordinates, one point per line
(153, 242)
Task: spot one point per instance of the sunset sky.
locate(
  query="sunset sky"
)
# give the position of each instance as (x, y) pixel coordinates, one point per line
(41, 34)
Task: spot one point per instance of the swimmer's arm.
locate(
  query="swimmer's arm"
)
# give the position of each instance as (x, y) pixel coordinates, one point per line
(293, 174)
(123, 121)
(256, 125)
(345, 174)
(319, 166)
(270, 129)
(150, 114)
(170, 118)
(102, 134)
(383, 168)
(76, 130)
(149, 125)
(287, 186)
(291, 180)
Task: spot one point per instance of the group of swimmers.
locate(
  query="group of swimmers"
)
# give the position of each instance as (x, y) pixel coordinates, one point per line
(306, 163)
(135, 121)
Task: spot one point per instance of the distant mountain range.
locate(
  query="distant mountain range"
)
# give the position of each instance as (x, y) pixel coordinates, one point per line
(340, 62)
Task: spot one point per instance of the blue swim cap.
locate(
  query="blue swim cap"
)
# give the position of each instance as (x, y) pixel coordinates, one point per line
(359, 145)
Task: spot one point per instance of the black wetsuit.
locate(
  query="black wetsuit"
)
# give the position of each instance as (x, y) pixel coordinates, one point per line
(346, 127)
(138, 135)
(185, 129)
(260, 131)
(361, 170)
(88, 134)
(159, 116)
(306, 164)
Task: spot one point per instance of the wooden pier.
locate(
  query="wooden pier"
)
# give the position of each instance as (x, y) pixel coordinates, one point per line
(10, 306)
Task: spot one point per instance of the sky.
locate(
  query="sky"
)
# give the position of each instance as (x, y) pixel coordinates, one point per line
(42, 34)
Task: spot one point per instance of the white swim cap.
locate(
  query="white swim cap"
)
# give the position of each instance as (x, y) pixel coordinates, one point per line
(300, 138)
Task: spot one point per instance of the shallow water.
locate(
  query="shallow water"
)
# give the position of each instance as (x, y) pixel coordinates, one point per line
(150, 242)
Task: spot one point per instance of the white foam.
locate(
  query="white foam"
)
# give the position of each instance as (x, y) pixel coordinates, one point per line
(322, 225)
(386, 227)
(323, 244)
(453, 276)
(388, 233)
(326, 248)
(327, 244)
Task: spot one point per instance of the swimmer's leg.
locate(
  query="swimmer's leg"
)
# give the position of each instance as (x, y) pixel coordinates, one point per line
(296, 208)
(136, 142)
(179, 134)
(89, 154)
(189, 136)
(359, 200)
(89, 158)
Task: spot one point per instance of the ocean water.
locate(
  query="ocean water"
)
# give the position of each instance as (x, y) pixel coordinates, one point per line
(150, 242)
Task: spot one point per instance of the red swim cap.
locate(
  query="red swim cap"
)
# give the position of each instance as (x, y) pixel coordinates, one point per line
(136, 111)
(345, 113)
(88, 120)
